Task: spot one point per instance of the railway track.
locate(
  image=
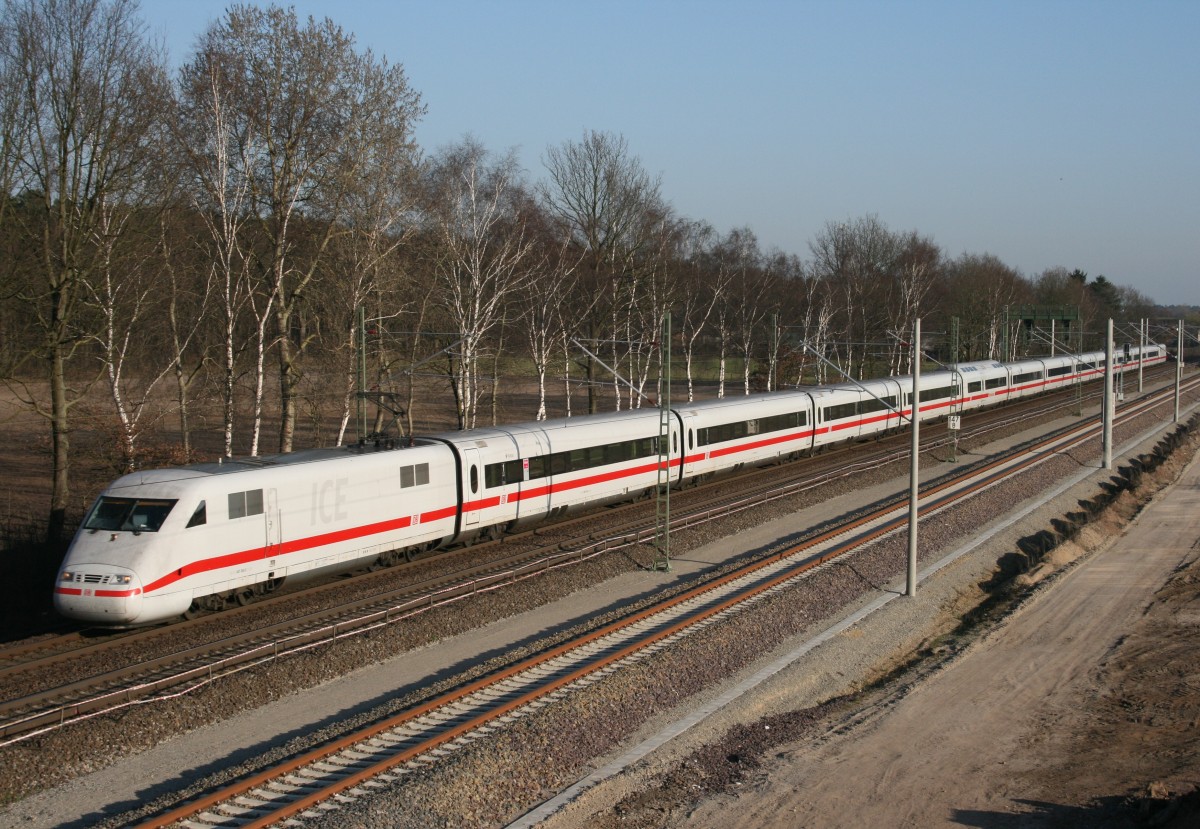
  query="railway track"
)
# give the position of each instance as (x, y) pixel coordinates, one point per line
(561, 544)
(386, 751)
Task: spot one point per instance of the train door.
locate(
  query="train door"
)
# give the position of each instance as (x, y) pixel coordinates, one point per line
(958, 392)
(535, 473)
(895, 400)
(274, 531)
(677, 444)
(472, 484)
(688, 425)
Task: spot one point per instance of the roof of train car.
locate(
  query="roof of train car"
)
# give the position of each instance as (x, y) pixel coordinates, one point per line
(978, 365)
(743, 399)
(509, 430)
(228, 466)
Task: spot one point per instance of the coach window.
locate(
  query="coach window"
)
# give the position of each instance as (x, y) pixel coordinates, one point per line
(537, 467)
(560, 463)
(245, 503)
(415, 475)
(474, 479)
(500, 474)
(199, 517)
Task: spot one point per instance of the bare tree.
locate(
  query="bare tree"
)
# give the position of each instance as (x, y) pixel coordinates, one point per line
(736, 257)
(751, 290)
(915, 269)
(187, 307)
(980, 288)
(544, 299)
(482, 254)
(380, 216)
(14, 111)
(367, 275)
(124, 290)
(855, 258)
(813, 316)
(603, 194)
(91, 83)
(307, 110)
(658, 285)
(210, 138)
(702, 289)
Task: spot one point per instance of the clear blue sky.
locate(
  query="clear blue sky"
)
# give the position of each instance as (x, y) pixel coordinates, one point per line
(1046, 132)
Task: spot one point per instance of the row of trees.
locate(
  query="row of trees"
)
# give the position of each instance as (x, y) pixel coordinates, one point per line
(217, 230)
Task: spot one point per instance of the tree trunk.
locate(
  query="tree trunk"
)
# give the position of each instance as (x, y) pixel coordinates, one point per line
(288, 380)
(60, 492)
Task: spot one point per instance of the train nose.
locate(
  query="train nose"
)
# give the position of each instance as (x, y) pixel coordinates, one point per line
(98, 593)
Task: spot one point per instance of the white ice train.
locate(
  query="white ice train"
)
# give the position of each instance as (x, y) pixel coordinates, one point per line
(161, 543)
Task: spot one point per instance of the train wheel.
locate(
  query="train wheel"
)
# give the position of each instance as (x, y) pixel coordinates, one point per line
(243, 597)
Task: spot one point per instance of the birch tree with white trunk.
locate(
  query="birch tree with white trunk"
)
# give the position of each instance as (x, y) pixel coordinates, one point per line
(482, 255)
(308, 108)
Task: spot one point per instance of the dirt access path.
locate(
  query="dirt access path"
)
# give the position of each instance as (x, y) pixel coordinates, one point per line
(1079, 710)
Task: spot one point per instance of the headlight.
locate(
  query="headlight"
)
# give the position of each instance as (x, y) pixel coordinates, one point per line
(126, 579)
(67, 575)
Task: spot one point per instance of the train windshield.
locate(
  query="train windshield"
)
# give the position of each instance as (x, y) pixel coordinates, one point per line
(139, 515)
